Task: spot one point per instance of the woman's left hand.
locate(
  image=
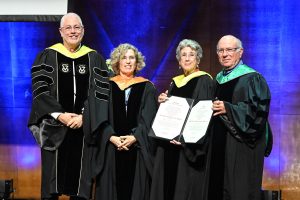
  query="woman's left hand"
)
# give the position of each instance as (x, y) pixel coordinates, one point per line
(175, 142)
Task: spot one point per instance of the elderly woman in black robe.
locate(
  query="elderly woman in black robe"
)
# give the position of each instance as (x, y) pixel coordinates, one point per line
(180, 170)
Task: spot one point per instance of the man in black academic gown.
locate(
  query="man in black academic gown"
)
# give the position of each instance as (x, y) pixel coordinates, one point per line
(69, 81)
(241, 135)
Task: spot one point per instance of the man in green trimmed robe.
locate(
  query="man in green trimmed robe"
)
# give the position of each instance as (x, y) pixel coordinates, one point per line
(69, 81)
(240, 131)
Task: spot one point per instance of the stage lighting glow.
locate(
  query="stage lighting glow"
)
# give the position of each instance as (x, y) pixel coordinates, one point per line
(28, 157)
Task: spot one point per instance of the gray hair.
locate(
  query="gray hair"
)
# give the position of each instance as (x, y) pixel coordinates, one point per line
(239, 43)
(62, 20)
(192, 44)
(118, 52)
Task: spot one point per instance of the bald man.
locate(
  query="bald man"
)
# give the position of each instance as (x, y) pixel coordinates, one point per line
(70, 103)
(240, 131)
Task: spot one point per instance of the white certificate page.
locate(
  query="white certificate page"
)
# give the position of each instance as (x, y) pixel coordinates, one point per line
(198, 121)
(170, 117)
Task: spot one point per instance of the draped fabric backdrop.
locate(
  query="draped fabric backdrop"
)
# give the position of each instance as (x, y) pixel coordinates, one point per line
(270, 33)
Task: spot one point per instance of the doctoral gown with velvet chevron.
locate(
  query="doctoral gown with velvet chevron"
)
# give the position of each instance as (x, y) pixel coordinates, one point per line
(69, 82)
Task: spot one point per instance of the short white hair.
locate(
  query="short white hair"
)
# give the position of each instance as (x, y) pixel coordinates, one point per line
(62, 20)
(239, 43)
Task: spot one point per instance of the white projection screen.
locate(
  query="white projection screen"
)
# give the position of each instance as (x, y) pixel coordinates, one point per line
(32, 10)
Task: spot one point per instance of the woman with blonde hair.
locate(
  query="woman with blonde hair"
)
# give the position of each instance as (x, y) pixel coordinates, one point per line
(124, 162)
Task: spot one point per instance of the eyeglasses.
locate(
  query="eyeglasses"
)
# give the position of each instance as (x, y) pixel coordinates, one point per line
(70, 28)
(227, 50)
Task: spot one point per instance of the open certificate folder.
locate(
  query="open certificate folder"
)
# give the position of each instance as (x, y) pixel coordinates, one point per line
(178, 118)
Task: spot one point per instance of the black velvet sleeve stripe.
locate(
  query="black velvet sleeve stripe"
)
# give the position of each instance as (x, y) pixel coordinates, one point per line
(39, 91)
(100, 72)
(41, 67)
(42, 78)
(101, 84)
(101, 96)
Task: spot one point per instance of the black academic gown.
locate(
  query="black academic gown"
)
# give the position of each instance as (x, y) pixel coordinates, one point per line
(126, 175)
(239, 137)
(180, 172)
(54, 73)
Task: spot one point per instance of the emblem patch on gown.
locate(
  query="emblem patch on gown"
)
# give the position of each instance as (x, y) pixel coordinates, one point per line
(81, 68)
(65, 67)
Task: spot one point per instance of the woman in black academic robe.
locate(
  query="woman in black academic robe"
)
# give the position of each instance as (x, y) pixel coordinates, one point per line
(180, 170)
(125, 166)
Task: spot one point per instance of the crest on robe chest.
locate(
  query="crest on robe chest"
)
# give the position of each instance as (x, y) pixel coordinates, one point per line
(69, 66)
(80, 68)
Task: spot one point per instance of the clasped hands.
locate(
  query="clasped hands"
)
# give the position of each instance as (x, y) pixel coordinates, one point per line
(71, 120)
(123, 142)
